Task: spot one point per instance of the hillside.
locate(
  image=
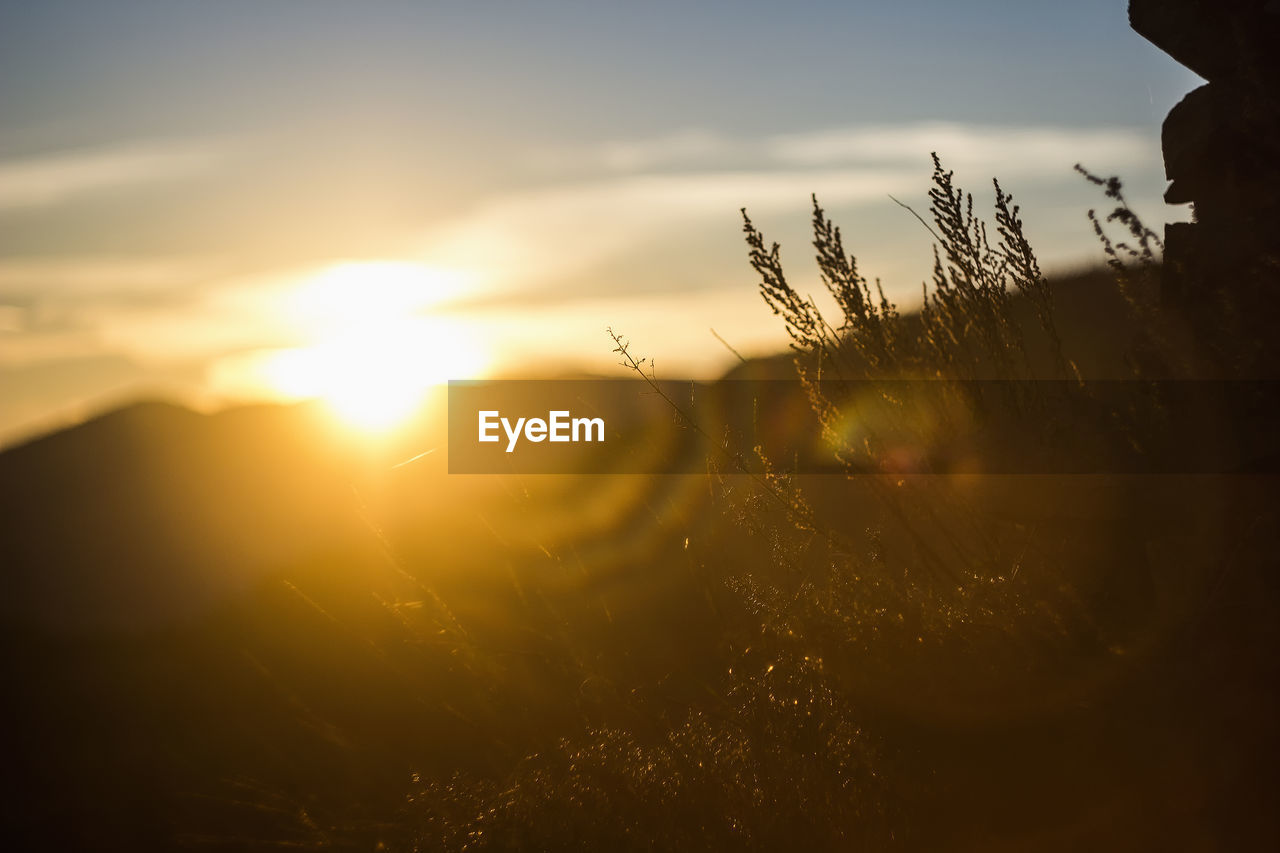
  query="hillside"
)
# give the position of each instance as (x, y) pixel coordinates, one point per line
(237, 631)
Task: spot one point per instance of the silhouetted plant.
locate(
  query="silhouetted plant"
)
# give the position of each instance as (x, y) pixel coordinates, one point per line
(965, 327)
(874, 610)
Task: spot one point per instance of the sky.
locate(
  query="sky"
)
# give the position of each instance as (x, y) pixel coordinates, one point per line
(274, 200)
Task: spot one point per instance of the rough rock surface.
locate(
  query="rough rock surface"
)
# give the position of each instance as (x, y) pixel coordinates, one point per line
(1222, 154)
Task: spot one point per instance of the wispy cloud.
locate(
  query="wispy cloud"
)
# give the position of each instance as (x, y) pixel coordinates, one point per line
(1007, 150)
(675, 183)
(153, 307)
(23, 348)
(558, 231)
(85, 275)
(56, 178)
(684, 146)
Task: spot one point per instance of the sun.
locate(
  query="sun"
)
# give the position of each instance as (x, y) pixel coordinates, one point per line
(376, 376)
(377, 347)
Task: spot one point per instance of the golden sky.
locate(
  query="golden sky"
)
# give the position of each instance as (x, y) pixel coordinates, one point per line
(354, 200)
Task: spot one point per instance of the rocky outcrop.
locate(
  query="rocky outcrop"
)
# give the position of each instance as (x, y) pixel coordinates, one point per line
(1222, 154)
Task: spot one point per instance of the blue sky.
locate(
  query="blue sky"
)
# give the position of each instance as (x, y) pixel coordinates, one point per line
(173, 173)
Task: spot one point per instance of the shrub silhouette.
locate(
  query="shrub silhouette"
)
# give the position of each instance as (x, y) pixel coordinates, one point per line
(965, 327)
(920, 663)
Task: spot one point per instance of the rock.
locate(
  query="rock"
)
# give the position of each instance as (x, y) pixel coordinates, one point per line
(1221, 147)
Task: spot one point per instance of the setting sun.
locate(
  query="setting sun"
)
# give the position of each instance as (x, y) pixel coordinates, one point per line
(355, 291)
(372, 346)
(375, 376)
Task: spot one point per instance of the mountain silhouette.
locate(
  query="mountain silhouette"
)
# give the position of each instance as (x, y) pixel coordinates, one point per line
(177, 632)
(230, 630)
(152, 513)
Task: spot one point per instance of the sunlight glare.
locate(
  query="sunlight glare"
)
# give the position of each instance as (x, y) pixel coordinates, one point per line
(374, 352)
(375, 377)
(357, 291)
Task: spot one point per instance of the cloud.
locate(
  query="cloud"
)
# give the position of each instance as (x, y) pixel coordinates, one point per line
(680, 147)
(562, 230)
(23, 348)
(154, 309)
(85, 275)
(53, 179)
(675, 183)
(518, 335)
(1000, 150)
(63, 301)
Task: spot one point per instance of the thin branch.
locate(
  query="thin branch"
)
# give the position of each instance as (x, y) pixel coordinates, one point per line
(909, 209)
(799, 513)
(728, 346)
